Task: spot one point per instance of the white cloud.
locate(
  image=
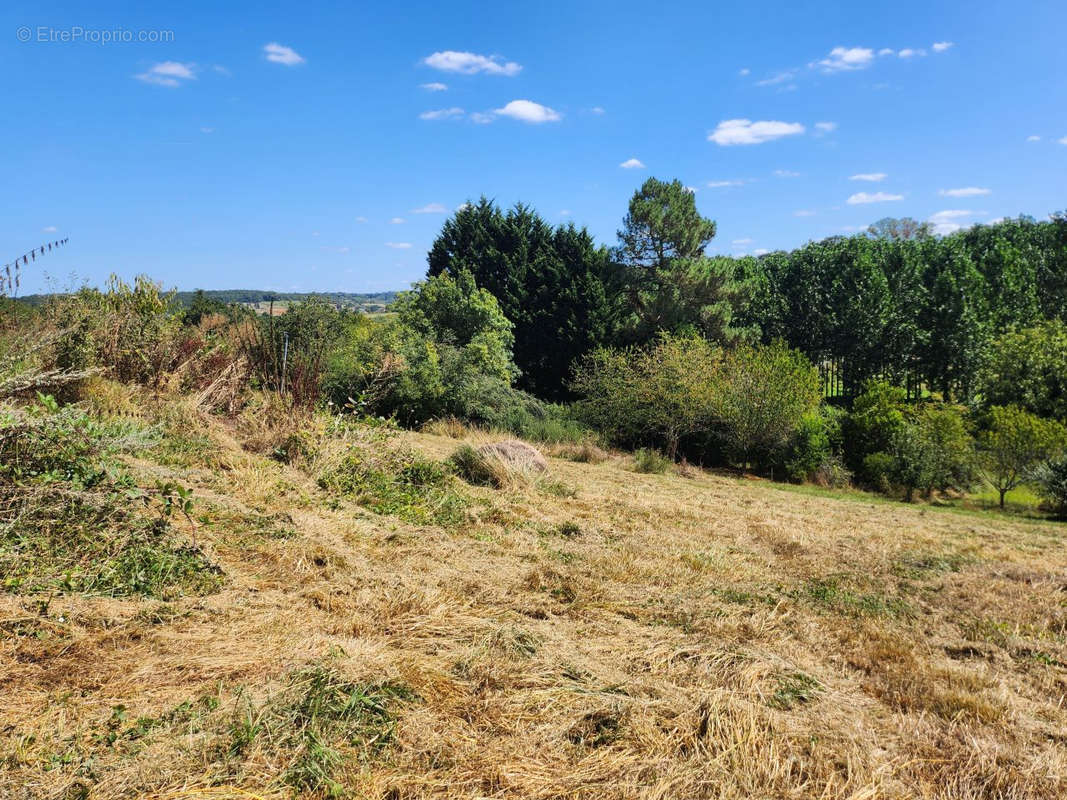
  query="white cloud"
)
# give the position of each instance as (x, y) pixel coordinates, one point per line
(1033, 138)
(908, 52)
(482, 117)
(967, 191)
(941, 47)
(943, 220)
(843, 59)
(741, 242)
(887, 51)
(952, 213)
(692, 189)
(804, 212)
(280, 54)
(786, 173)
(744, 71)
(207, 130)
(470, 63)
(745, 131)
(361, 220)
(598, 110)
(995, 220)
(397, 221)
(565, 212)
(49, 229)
(779, 77)
(399, 245)
(463, 206)
(825, 127)
(861, 198)
(442, 113)
(760, 251)
(874, 177)
(434, 87)
(723, 184)
(529, 111)
(632, 163)
(168, 73)
(430, 208)
(1063, 140)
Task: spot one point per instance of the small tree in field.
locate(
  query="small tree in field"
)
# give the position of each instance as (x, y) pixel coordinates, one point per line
(763, 396)
(664, 391)
(1014, 443)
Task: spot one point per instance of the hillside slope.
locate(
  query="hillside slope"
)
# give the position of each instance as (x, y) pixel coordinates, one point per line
(651, 636)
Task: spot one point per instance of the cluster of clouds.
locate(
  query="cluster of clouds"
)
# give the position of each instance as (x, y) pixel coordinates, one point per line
(845, 59)
(173, 74)
(1036, 138)
(522, 110)
(728, 133)
(465, 63)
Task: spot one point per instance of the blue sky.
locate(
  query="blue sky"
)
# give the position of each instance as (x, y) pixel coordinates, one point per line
(310, 146)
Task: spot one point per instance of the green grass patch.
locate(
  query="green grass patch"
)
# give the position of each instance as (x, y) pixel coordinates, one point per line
(831, 594)
(76, 542)
(794, 689)
(918, 564)
(398, 482)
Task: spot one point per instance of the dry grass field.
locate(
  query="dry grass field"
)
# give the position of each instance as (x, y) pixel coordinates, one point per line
(599, 634)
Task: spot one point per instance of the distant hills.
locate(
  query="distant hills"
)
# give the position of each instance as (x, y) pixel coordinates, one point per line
(370, 302)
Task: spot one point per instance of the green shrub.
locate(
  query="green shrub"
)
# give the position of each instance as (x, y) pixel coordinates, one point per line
(950, 448)
(878, 471)
(1051, 479)
(877, 416)
(764, 396)
(1028, 368)
(130, 330)
(651, 461)
(813, 443)
(832, 473)
(660, 393)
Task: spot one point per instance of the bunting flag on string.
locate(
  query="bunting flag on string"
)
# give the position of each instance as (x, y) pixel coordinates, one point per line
(9, 278)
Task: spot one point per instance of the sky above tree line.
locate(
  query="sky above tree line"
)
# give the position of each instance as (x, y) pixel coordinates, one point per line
(319, 146)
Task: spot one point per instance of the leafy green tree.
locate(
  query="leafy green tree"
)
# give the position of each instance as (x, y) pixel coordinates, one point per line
(663, 226)
(203, 306)
(554, 284)
(764, 394)
(876, 420)
(668, 282)
(656, 394)
(1013, 443)
(1028, 368)
(955, 319)
(900, 230)
(452, 311)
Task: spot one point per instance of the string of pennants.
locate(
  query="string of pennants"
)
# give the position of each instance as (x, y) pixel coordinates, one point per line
(9, 279)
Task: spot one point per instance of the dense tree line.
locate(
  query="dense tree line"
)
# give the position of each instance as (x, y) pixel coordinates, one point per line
(921, 310)
(898, 303)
